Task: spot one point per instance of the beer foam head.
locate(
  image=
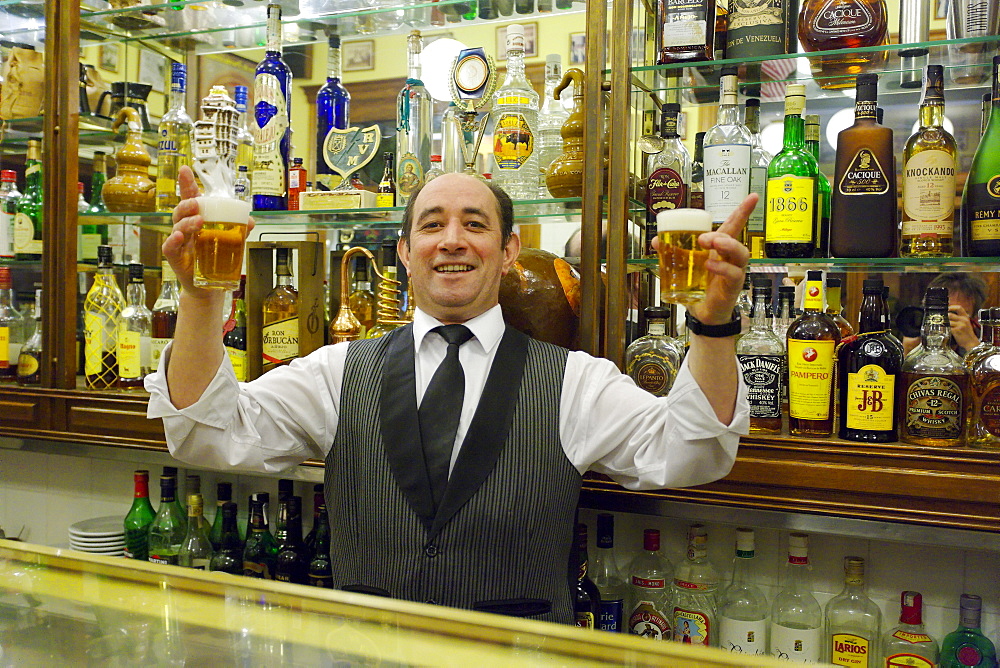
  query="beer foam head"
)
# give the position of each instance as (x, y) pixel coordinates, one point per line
(683, 220)
(224, 210)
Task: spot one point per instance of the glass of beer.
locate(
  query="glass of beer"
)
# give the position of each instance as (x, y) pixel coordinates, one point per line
(683, 278)
(218, 259)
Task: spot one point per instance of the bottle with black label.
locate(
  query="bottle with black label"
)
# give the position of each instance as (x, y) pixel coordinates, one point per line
(761, 28)
(685, 30)
(653, 360)
(761, 354)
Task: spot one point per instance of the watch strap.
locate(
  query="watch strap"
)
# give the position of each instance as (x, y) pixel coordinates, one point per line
(731, 328)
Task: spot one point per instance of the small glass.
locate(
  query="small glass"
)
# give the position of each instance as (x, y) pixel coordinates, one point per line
(218, 261)
(683, 277)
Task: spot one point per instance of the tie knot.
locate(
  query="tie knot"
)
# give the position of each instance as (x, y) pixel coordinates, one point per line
(454, 334)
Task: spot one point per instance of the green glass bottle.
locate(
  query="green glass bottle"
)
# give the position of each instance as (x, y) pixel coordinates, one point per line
(91, 235)
(966, 645)
(825, 191)
(223, 495)
(261, 549)
(167, 531)
(320, 570)
(28, 218)
(139, 518)
(228, 558)
(981, 198)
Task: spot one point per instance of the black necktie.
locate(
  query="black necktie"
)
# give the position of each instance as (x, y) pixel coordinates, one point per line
(441, 409)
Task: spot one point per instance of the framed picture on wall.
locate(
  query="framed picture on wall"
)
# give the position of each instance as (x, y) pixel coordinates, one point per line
(577, 47)
(108, 56)
(153, 69)
(358, 55)
(530, 41)
(219, 69)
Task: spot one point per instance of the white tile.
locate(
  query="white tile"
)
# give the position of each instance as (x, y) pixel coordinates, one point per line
(940, 620)
(897, 567)
(982, 577)
(826, 554)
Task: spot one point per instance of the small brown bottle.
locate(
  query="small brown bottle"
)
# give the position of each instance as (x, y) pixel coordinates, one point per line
(387, 186)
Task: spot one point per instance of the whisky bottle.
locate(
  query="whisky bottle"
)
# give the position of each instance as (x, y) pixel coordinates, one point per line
(320, 569)
(761, 354)
(605, 575)
(696, 191)
(834, 308)
(272, 132)
(281, 317)
(649, 606)
(863, 220)
(853, 621)
(743, 612)
(985, 345)
(651, 360)
(174, 147)
(686, 31)
(30, 208)
(29, 360)
(727, 154)
(933, 398)
(966, 645)
(825, 193)
(790, 212)
(696, 604)
(260, 550)
(101, 311)
(11, 329)
(223, 495)
(840, 25)
(296, 183)
(868, 366)
(362, 299)
(981, 198)
(318, 501)
(907, 644)
(811, 341)
(929, 177)
(984, 381)
(134, 325)
(796, 632)
(669, 169)
(235, 336)
(387, 186)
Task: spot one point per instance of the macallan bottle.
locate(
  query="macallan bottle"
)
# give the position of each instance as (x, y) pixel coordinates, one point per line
(686, 30)
(828, 25)
(727, 154)
(281, 317)
(811, 341)
(863, 221)
(981, 199)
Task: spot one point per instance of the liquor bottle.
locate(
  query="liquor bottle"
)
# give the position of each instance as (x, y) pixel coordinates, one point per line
(174, 147)
(838, 25)
(101, 312)
(81, 202)
(260, 550)
(792, 187)
(744, 303)
(86, 242)
(649, 607)
(196, 550)
(296, 183)
(362, 299)
(228, 556)
(29, 360)
(514, 125)
(785, 313)
(697, 189)
(223, 495)
(966, 645)
(696, 605)
(908, 644)
(387, 315)
(743, 612)
(11, 329)
(933, 399)
(686, 32)
(761, 354)
(435, 170)
(669, 171)
(320, 569)
(835, 309)
(138, 520)
(168, 529)
(985, 345)
(134, 327)
(414, 113)
(318, 500)
(929, 178)
(98, 178)
(796, 631)
(242, 189)
(987, 113)
(863, 216)
(551, 117)
(981, 197)
(30, 209)
(292, 560)
(171, 472)
(868, 366)
(9, 196)
(612, 588)
(244, 140)
(984, 381)
(653, 360)
(811, 341)
(853, 621)
(824, 201)
(452, 141)
(281, 317)
(164, 316)
(761, 28)
(387, 186)
(759, 161)
(235, 337)
(272, 91)
(286, 488)
(727, 154)
(586, 598)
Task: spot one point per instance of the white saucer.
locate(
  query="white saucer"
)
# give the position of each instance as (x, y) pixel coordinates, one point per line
(98, 527)
(97, 546)
(120, 538)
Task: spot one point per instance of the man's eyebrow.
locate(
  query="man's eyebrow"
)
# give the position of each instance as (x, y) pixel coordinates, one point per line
(469, 210)
(430, 211)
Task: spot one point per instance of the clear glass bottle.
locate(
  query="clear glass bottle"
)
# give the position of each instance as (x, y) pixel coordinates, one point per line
(966, 645)
(164, 315)
(761, 354)
(414, 113)
(167, 532)
(81, 202)
(759, 161)
(743, 611)
(985, 317)
(784, 311)
(796, 631)
(228, 557)
(604, 573)
(908, 644)
(196, 550)
(452, 141)
(29, 360)
(435, 170)
(744, 303)
(669, 170)
(242, 186)
(174, 147)
(138, 519)
(653, 361)
(649, 605)
(727, 154)
(11, 329)
(272, 132)
(134, 327)
(244, 140)
(514, 125)
(9, 195)
(281, 316)
(695, 597)
(853, 622)
(101, 312)
(551, 117)
(697, 190)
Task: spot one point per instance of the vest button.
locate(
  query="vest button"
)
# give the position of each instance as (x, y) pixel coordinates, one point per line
(431, 550)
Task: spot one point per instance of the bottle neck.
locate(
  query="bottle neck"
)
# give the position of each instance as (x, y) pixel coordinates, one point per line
(760, 320)
(751, 119)
(729, 111)
(177, 96)
(794, 131)
(742, 565)
(413, 60)
(865, 110)
(142, 488)
(136, 294)
(333, 64)
(273, 30)
(515, 67)
(656, 327)
(833, 306)
(932, 114)
(814, 297)
(872, 315)
(936, 330)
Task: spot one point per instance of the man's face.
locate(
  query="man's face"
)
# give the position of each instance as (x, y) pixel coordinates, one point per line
(454, 257)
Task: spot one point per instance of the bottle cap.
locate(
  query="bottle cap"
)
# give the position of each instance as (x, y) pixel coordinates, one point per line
(730, 71)
(798, 544)
(651, 540)
(141, 474)
(8, 175)
(435, 158)
(224, 491)
(753, 102)
(79, 187)
(167, 272)
(970, 611)
(867, 79)
(333, 40)
(744, 540)
(605, 530)
(5, 282)
(195, 504)
(170, 471)
(910, 607)
(872, 286)
(194, 484)
(104, 258)
(936, 297)
(135, 272)
(814, 275)
(553, 59)
(787, 289)
(759, 281)
(285, 487)
(833, 283)
(318, 488)
(515, 37)
(657, 312)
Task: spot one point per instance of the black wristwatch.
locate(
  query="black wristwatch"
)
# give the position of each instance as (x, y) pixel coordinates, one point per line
(731, 328)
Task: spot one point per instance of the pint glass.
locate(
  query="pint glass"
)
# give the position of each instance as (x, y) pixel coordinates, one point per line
(218, 260)
(683, 278)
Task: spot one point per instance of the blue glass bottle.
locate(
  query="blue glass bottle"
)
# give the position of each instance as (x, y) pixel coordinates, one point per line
(333, 111)
(272, 134)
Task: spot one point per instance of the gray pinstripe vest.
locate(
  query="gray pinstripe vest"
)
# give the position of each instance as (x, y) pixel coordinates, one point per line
(505, 525)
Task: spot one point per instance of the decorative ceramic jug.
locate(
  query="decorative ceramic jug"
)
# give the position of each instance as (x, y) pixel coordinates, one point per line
(565, 175)
(131, 188)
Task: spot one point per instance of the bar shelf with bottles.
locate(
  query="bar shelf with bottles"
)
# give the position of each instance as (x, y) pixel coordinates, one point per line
(855, 265)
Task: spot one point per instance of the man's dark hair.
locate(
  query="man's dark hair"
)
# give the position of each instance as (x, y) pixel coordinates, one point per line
(505, 209)
(969, 285)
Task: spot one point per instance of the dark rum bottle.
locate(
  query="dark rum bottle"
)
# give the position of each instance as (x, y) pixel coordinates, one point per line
(292, 560)
(686, 30)
(811, 341)
(838, 25)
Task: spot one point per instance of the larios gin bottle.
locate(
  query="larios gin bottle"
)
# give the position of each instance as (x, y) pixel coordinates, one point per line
(272, 86)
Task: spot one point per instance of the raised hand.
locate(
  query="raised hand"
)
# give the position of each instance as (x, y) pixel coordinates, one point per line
(726, 265)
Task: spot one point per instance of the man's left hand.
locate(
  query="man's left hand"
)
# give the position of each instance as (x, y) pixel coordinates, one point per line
(726, 266)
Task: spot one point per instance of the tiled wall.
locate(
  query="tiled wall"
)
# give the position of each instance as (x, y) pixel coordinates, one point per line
(44, 492)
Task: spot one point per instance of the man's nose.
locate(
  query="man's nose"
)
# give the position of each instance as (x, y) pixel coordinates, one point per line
(453, 235)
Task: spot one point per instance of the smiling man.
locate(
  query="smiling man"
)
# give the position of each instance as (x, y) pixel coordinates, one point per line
(455, 446)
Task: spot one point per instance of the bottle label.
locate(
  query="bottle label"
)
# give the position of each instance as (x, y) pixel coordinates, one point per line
(293, 179)
(410, 174)
(691, 627)
(810, 378)
(727, 179)
(268, 164)
(94, 336)
(24, 235)
(989, 411)
(904, 660)
(754, 28)
(254, 569)
(156, 346)
(199, 564)
(684, 23)
(611, 615)
(513, 139)
(281, 341)
(911, 637)
(648, 622)
(321, 581)
(758, 184)
(792, 644)
(742, 637)
(790, 209)
(585, 620)
(697, 199)
(648, 584)
(129, 360)
(762, 375)
(864, 175)
(665, 190)
(983, 207)
(385, 199)
(652, 377)
(870, 394)
(4, 347)
(238, 358)
(813, 298)
(843, 18)
(848, 649)
(934, 408)
(929, 193)
(170, 559)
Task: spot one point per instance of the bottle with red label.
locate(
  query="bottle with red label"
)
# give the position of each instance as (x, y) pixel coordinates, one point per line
(966, 645)
(296, 183)
(852, 621)
(908, 643)
(696, 584)
(811, 341)
(649, 592)
(669, 169)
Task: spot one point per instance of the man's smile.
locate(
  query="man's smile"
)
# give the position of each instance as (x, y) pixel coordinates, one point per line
(453, 268)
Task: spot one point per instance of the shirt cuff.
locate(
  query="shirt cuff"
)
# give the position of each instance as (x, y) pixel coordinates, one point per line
(222, 393)
(698, 420)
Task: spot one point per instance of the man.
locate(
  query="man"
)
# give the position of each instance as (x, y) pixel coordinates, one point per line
(491, 526)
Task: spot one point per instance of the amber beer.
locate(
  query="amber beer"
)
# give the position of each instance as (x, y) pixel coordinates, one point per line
(683, 278)
(218, 260)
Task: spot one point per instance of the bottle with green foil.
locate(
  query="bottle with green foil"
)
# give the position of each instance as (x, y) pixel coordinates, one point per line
(261, 550)
(138, 520)
(168, 529)
(825, 193)
(981, 198)
(91, 235)
(966, 645)
(28, 215)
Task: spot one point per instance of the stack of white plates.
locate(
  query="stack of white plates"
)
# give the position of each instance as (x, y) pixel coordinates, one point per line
(99, 535)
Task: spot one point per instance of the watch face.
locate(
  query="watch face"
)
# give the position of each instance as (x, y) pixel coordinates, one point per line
(470, 74)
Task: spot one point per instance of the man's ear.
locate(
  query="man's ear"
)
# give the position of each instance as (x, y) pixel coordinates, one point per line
(511, 251)
(403, 251)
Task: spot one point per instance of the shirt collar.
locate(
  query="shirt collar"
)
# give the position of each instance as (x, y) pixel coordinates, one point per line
(487, 328)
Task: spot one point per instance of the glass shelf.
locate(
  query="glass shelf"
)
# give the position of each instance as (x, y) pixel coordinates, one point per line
(854, 265)
(95, 132)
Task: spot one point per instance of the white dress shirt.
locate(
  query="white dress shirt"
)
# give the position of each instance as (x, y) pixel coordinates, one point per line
(606, 423)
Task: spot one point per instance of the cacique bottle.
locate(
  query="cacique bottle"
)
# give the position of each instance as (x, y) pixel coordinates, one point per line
(743, 611)
(551, 117)
(796, 631)
(228, 556)
(166, 533)
(174, 147)
(134, 326)
(164, 315)
(414, 113)
(727, 154)
(271, 129)
(761, 355)
(514, 125)
(138, 520)
(9, 195)
(822, 227)
(101, 311)
(586, 597)
(669, 171)
(810, 342)
(695, 598)
(29, 360)
(260, 550)
(759, 161)
(30, 209)
(648, 605)
(908, 644)
(280, 343)
(792, 188)
(654, 360)
(320, 569)
(196, 550)
(333, 112)
(852, 621)
(11, 329)
(966, 645)
(605, 575)
(292, 560)
(981, 197)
